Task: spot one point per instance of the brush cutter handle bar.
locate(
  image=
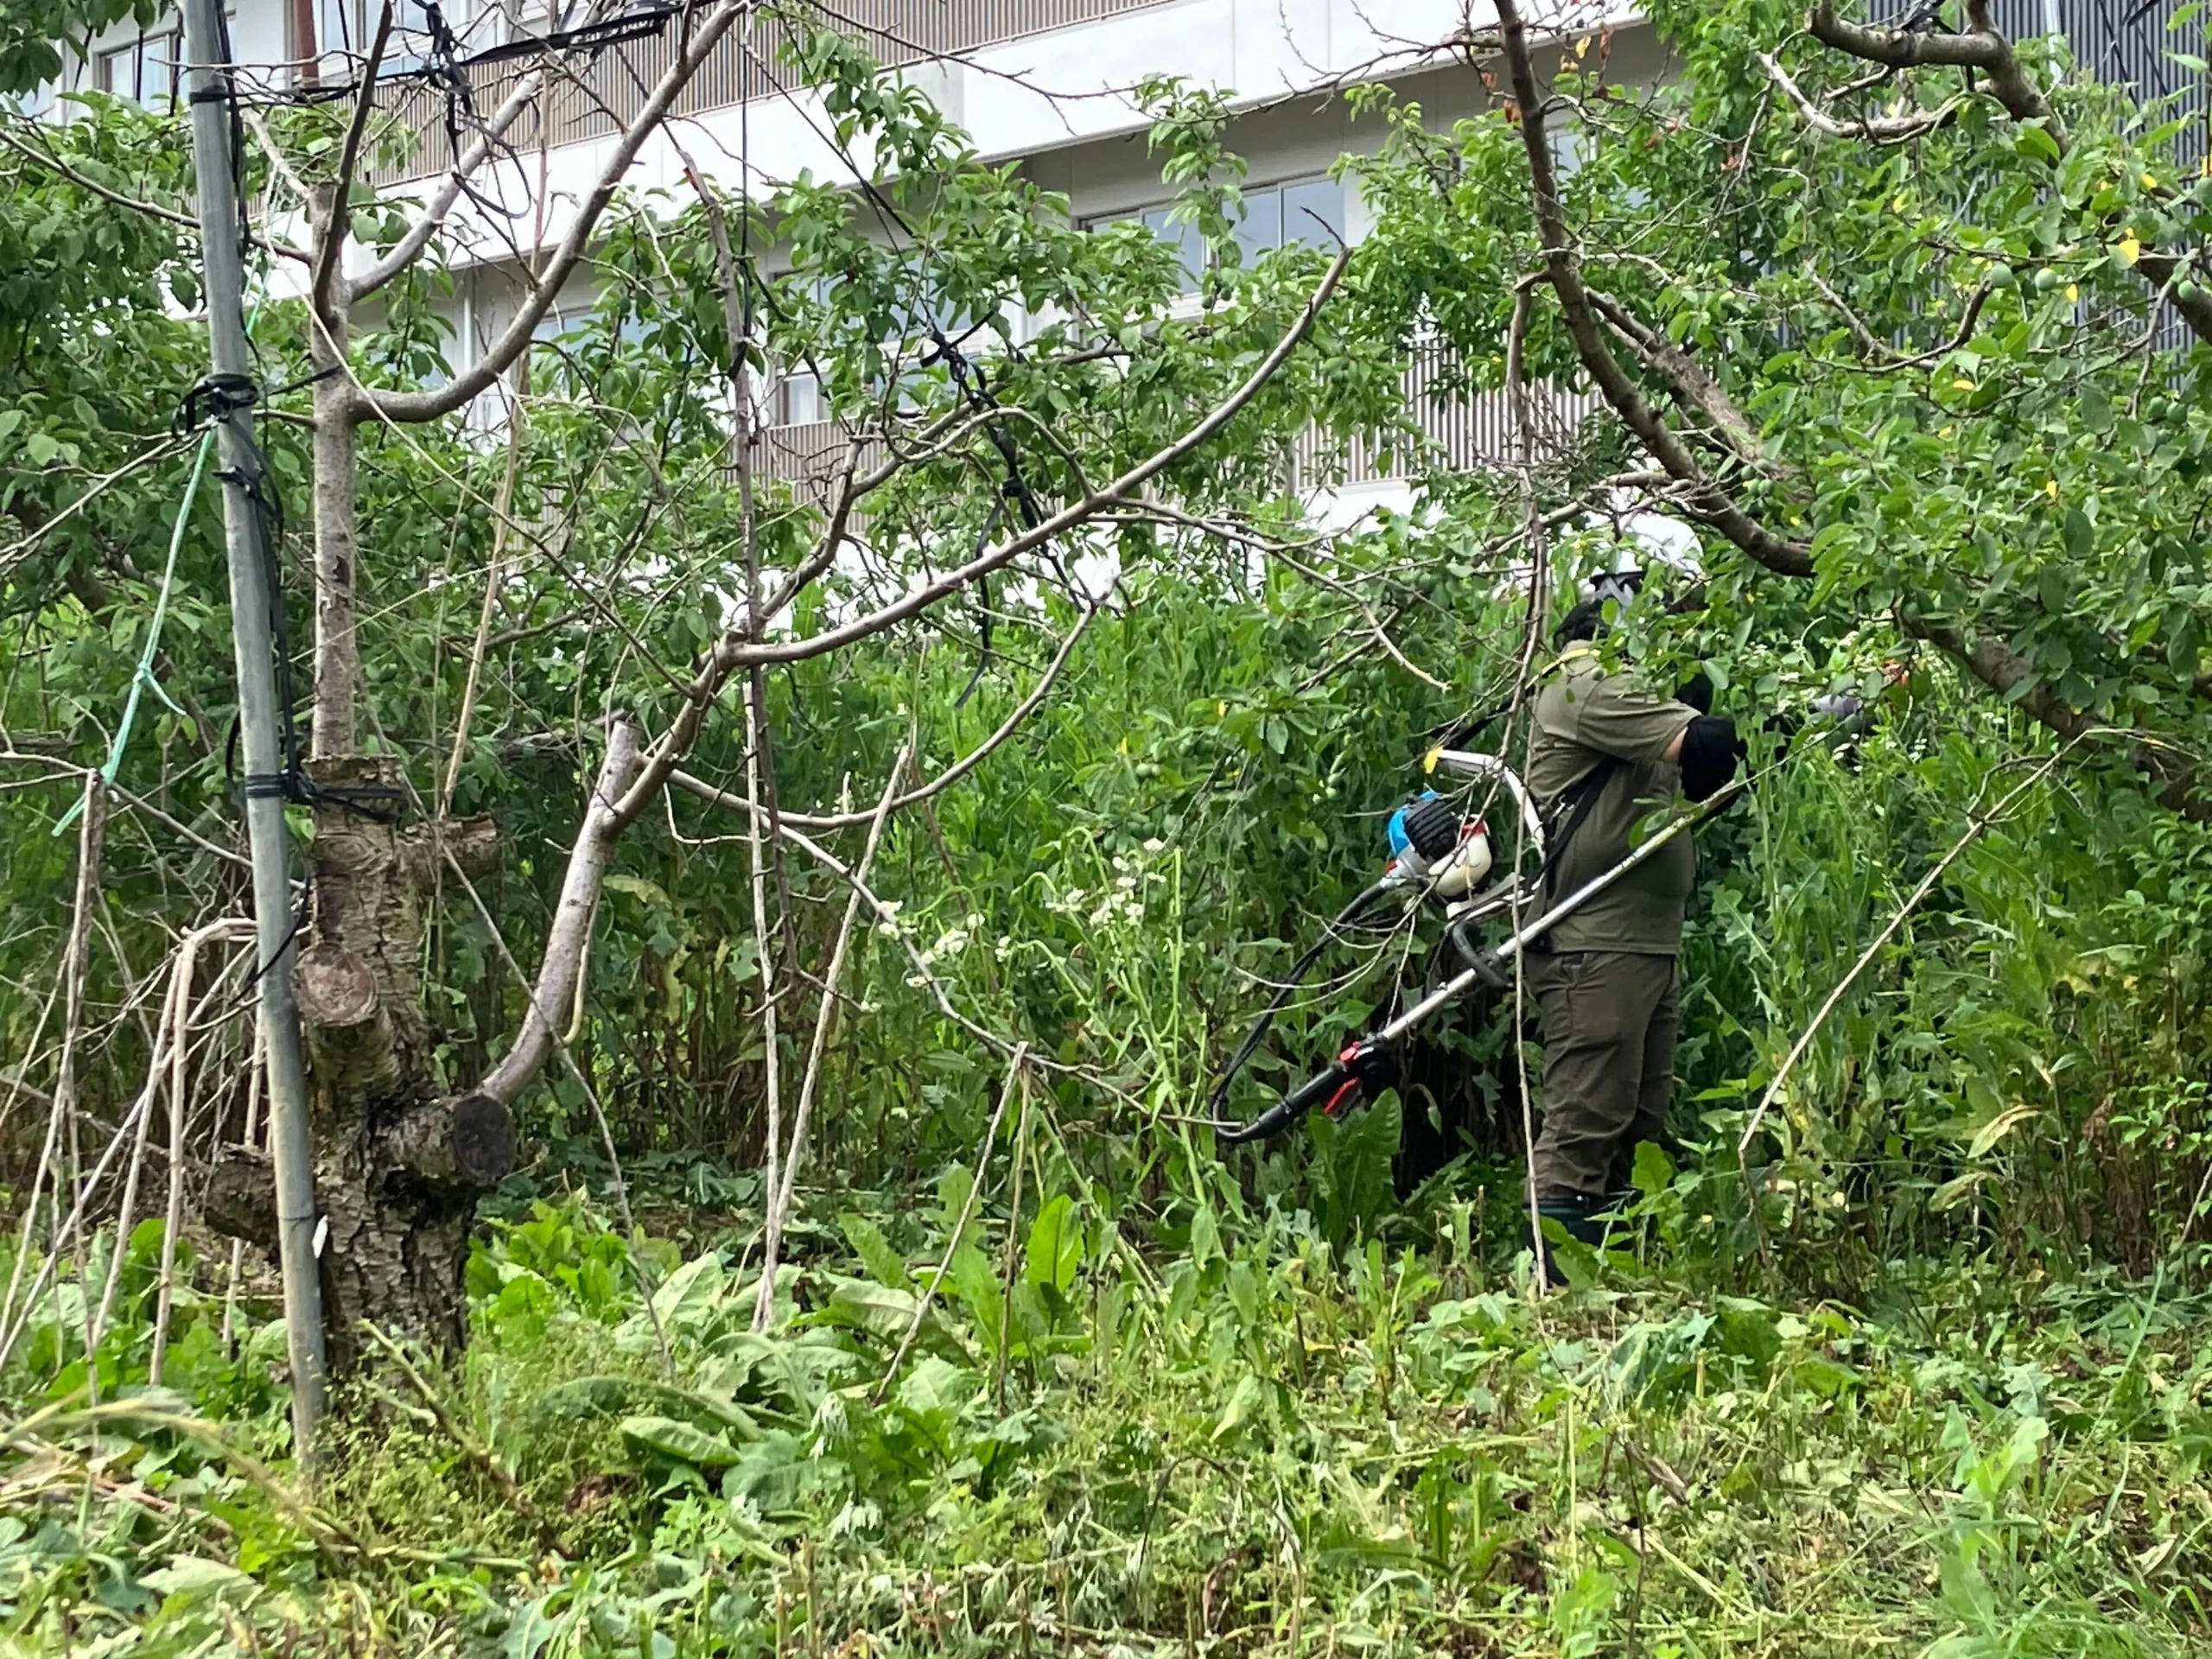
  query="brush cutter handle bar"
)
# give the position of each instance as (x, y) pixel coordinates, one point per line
(1513, 944)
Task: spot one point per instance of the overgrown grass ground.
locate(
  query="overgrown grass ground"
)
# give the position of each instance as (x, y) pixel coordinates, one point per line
(1259, 1444)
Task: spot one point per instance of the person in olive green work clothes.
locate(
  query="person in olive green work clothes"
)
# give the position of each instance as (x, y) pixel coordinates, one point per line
(1605, 978)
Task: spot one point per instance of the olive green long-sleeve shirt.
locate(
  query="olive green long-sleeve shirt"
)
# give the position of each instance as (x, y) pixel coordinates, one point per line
(1583, 716)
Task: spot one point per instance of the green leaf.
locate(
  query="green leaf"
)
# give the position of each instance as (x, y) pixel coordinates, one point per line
(678, 1442)
(885, 1265)
(194, 1577)
(1243, 1399)
(1055, 1249)
(1997, 1128)
(2077, 534)
(884, 1311)
(1655, 1170)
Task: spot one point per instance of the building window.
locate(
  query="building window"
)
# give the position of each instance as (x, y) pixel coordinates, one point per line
(797, 400)
(344, 29)
(1306, 213)
(1301, 213)
(144, 70)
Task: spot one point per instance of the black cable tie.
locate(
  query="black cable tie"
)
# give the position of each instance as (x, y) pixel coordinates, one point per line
(214, 397)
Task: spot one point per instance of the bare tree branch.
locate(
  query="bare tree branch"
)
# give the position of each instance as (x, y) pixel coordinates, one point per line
(330, 247)
(734, 652)
(936, 785)
(568, 939)
(479, 376)
(1563, 267)
(1880, 130)
(444, 200)
(779, 1196)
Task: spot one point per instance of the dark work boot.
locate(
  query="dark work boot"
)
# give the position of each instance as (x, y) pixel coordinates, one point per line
(1576, 1213)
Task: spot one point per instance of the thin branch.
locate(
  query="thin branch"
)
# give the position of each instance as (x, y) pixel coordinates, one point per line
(1563, 269)
(478, 376)
(1880, 130)
(959, 1227)
(1896, 360)
(474, 1449)
(14, 555)
(330, 248)
(780, 1196)
(733, 650)
(1975, 825)
(936, 785)
(444, 199)
(66, 768)
(46, 158)
(495, 572)
(187, 960)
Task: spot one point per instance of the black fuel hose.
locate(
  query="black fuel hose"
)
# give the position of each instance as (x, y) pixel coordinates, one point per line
(1234, 1132)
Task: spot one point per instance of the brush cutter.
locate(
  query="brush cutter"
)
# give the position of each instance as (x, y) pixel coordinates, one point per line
(1437, 854)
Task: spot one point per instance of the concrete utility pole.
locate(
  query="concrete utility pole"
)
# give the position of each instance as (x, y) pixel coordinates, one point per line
(291, 1146)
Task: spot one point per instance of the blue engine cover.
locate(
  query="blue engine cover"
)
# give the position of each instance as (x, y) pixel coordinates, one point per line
(1400, 842)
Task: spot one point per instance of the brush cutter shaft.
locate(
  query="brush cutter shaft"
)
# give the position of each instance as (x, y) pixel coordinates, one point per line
(1334, 1087)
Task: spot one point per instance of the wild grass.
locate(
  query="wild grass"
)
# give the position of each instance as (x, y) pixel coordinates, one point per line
(1269, 1446)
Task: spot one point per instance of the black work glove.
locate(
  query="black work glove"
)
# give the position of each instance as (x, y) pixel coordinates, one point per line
(1710, 752)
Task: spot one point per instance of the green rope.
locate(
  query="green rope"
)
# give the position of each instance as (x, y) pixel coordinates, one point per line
(144, 677)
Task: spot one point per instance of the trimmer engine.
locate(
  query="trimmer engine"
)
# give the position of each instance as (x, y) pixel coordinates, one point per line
(1431, 842)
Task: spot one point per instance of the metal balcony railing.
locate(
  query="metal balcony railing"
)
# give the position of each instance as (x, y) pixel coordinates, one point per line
(592, 97)
(1471, 433)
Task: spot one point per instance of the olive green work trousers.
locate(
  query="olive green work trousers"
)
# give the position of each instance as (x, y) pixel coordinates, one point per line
(1610, 1020)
